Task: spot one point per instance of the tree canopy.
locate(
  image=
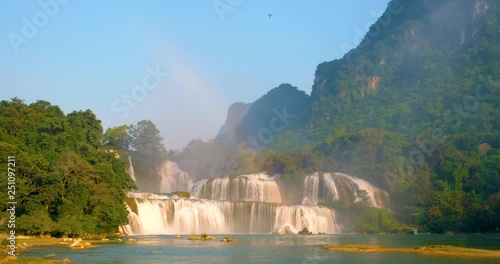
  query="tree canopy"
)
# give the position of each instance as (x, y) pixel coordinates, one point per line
(65, 183)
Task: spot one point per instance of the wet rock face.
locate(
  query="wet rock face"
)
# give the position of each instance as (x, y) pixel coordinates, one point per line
(305, 231)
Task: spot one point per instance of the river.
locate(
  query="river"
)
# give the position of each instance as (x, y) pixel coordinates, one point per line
(268, 249)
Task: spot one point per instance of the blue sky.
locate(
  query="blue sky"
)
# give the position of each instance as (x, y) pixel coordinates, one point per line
(179, 63)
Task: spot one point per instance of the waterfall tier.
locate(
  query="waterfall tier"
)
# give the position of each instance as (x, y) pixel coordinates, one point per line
(187, 216)
(174, 179)
(315, 218)
(253, 187)
(340, 187)
(245, 204)
(140, 195)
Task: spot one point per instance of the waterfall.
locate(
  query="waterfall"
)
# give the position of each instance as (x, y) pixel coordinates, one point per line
(252, 187)
(131, 168)
(310, 193)
(174, 179)
(378, 198)
(139, 195)
(245, 204)
(187, 216)
(134, 224)
(331, 187)
(316, 219)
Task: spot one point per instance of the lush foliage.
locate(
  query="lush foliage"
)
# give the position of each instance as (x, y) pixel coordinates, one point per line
(65, 183)
(413, 109)
(144, 145)
(363, 219)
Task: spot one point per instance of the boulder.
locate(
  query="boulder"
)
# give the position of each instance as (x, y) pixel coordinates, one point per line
(228, 239)
(305, 231)
(76, 242)
(287, 230)
(203, 236)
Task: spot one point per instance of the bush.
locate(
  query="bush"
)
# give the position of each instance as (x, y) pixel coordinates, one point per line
(368, 220)
(37, 224)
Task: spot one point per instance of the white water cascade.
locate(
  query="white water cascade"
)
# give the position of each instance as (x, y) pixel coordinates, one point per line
(188, 216)
(134, 224)
(174, 179)
(316, 219)
(252, 187)
(245, 204)
(131, 171)
(331, 187)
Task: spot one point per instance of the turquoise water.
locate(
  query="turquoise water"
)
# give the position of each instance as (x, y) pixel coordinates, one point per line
(269, 249)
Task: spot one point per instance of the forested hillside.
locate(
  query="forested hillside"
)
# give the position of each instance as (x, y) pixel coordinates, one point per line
(414, 109)
(143, 144)
(65, 183)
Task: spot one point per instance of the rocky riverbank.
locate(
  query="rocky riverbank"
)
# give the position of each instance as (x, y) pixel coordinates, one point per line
(24, 242)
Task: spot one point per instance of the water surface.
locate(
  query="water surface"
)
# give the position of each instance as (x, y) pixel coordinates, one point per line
(269, 249)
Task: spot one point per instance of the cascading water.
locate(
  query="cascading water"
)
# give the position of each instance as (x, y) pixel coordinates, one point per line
(131, 168)
(134, 224)
(139, 195)
(331, 187)
(253, 187)
(187, 216)
(174, 179)
(245, 204)
(316, 219)
(311, 191)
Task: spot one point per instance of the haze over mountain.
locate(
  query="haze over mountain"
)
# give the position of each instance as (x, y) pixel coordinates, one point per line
(416, 50)
(94, 55)
(414, 109)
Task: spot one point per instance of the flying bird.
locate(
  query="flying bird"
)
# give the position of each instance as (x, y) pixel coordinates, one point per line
(270, 15)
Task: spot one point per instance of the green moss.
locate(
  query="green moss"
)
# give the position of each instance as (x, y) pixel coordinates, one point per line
(131, 202)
